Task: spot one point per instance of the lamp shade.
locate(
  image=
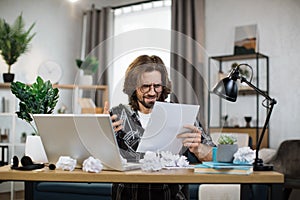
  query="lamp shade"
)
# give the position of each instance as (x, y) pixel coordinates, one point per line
(227, 89)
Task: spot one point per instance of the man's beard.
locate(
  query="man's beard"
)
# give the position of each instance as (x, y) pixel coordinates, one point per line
(147, 105)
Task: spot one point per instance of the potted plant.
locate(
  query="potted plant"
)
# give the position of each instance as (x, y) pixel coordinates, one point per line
(14, 41)
(38, 98)
(226, 148)
(243, 71)
(87, 68)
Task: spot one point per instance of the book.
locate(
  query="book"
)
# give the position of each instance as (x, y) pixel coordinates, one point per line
(223, 168)
(224, 165)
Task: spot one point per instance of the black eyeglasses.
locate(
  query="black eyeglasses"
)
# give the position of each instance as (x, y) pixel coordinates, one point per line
(147, 87)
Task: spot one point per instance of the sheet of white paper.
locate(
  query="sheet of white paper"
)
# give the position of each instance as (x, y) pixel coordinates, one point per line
(167, 120)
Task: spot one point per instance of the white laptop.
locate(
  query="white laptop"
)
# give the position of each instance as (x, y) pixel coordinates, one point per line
(80, 136)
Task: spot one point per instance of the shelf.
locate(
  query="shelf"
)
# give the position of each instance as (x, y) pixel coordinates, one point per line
(5, 85)
(7, 114)
(76, 88)
(86, 87)
(245, 92)
(65, 86)
(231, 127)
(5, 144)
(239, 57)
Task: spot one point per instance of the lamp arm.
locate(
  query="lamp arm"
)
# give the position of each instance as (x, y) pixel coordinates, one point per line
(264, 129)
(244, 80)
(259, 162)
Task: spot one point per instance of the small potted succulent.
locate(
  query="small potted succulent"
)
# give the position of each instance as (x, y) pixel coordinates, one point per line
(14, 41)
(226, 147)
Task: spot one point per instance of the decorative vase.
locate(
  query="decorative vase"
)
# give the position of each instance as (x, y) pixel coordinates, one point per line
(8, 77)
(225, 152)
(248, 120)
(84, 79)
(34, 148)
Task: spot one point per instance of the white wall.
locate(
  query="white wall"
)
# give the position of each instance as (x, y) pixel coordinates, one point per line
(279, 32)
(58, 35)
(59, 31)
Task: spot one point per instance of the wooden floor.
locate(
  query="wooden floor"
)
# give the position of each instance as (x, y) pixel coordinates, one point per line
(17, 196)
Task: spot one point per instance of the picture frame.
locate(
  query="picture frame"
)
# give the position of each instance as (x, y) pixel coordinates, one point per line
(246, 39)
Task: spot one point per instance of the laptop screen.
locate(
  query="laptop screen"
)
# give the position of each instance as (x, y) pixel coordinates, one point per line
(79, 136)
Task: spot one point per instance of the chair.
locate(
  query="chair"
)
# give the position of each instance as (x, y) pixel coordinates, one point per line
(220, 191)
(287, 161)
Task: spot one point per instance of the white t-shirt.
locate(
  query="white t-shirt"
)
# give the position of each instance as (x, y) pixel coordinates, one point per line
(144, 119)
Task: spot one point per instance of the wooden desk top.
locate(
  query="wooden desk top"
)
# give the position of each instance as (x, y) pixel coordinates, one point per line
(138, 176)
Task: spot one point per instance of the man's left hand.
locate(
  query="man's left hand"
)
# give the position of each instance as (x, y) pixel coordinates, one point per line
(191, 139)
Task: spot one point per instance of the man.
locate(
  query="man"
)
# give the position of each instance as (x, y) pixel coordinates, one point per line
(146, 81)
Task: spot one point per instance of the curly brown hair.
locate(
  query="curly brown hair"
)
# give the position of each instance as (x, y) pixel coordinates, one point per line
(140, 65)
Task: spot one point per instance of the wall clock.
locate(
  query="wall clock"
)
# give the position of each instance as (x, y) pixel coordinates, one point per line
(50, 70)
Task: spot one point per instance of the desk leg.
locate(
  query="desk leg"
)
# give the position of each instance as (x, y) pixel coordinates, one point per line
(29, 190)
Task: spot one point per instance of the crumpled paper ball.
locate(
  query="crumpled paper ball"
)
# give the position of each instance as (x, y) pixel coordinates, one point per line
(92, 165)
(244, 155)
(173, 160)
(182, 162)
(168, 159)
(151, 162)
(156, 161)
(66, 163)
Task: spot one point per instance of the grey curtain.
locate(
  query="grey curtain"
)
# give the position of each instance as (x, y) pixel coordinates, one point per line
(186, 56)
(98, 27)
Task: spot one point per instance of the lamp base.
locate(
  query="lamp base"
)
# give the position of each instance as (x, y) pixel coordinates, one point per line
(264, 167)
(259, 165)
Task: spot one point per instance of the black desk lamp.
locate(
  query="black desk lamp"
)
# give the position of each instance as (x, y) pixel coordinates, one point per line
(228, 89)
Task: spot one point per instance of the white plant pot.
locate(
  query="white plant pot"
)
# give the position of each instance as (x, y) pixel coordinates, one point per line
(84, 79)
(34, 148)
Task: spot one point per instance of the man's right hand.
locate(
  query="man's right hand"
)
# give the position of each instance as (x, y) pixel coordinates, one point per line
(117, 125)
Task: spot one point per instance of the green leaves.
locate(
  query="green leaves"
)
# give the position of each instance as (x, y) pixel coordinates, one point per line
(227, 139)
(89, 65)
(14, 40)
(38, 98)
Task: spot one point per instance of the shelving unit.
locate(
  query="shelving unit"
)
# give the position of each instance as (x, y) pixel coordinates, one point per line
(77, 92)
(9, 120)
(249, 98)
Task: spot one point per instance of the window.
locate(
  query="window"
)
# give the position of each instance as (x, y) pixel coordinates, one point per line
(129, 22)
